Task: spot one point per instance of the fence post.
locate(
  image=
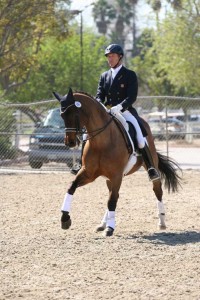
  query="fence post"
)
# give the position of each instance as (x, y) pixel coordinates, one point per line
(17, 115)
(166, 127)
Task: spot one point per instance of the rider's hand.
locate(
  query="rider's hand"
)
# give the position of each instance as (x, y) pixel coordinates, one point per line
(116, 109)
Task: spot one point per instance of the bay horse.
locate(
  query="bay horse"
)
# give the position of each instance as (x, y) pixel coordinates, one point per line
(106, 154)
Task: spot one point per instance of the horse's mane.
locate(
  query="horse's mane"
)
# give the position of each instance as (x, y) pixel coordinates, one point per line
(84, 93)
(91, 98)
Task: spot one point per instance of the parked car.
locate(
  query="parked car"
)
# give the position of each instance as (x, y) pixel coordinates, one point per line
(174, 129)
(47, 143)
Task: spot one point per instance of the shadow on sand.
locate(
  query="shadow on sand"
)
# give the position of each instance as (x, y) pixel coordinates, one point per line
(170, 238)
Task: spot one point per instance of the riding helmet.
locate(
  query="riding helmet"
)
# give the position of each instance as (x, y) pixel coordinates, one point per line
(114, 48)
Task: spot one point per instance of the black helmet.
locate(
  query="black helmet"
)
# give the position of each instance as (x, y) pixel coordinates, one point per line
(114, 48)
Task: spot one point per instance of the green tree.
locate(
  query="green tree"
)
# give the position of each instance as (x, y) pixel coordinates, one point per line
(168, 61)
(23, 26)
(178, 49)
(152, 79)
(58, 67)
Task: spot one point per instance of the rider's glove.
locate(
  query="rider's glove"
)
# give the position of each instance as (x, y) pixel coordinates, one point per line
(116, 109)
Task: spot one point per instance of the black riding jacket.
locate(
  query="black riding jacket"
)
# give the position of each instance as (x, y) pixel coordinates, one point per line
(122, 90)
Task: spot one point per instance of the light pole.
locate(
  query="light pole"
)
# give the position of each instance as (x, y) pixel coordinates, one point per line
(79, 12)
(81, 56)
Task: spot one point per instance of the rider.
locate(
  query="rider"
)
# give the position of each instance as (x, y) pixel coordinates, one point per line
(117, 89)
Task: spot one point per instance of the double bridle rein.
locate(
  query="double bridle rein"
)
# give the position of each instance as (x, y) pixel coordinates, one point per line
(80, 131)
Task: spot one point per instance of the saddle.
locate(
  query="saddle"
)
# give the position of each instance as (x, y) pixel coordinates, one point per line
(132, 144)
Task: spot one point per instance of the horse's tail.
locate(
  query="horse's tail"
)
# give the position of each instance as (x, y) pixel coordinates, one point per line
(168, 169)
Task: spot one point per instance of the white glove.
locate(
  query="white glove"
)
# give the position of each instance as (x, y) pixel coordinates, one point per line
(116, 109)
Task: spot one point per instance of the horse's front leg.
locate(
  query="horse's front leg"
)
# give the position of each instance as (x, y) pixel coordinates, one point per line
(66, 206)
(81, 179)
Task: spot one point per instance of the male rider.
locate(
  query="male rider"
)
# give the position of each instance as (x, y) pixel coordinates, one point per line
(118, 89)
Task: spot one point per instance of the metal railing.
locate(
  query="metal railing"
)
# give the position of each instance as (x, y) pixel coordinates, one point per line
(26, 145)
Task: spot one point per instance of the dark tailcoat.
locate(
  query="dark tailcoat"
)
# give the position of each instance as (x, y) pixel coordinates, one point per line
(122, 90)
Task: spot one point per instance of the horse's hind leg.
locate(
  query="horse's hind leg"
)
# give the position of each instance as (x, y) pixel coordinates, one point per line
(157, 188)
(102, 225)
(108, 221)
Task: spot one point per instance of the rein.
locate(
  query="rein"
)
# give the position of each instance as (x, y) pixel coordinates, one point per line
(82, 131)
(99, 130)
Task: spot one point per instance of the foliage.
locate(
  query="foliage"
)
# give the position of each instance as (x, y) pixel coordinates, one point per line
(178, 48)
(58, 67)
(23, 26)
(7, 125)
(169, 64)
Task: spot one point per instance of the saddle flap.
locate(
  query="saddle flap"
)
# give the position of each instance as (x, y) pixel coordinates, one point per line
(129, 137)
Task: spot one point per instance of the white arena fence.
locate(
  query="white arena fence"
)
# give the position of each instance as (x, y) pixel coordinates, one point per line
(31, 141)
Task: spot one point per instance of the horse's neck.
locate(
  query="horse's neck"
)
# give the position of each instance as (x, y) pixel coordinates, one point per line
(96, 120)
(95, 117)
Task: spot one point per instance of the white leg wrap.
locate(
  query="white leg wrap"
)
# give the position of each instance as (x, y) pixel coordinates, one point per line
(111, 219)
(105, 217)
(67, 202)
(161, 209)
(161, 215)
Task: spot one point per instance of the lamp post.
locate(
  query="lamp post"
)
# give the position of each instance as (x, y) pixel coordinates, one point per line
(81, 56)
(79, 12)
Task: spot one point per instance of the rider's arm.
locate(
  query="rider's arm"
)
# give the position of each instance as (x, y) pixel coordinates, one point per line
(132, 90)
(100, 96)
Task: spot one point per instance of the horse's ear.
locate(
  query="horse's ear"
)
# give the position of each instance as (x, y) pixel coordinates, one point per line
(57, 96)
(70, 93)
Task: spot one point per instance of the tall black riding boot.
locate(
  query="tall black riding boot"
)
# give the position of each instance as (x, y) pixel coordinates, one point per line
(146, 155)
(74, 170)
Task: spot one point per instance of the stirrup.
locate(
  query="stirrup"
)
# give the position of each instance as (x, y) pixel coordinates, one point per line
(153, 174)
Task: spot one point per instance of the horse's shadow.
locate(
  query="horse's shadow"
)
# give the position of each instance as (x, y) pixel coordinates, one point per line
(170, 238)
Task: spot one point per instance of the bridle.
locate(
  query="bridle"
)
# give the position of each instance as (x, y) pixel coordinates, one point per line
(80, 131)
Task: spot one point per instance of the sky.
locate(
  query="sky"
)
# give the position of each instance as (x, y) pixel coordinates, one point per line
(145, 15)
(86, 6)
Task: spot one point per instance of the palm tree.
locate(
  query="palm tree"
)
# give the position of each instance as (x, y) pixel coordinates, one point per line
(103, 13)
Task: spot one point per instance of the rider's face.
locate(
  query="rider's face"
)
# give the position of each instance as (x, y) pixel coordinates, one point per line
(113, 59)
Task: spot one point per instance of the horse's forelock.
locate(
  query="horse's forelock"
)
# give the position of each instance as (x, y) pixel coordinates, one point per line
(66, 100)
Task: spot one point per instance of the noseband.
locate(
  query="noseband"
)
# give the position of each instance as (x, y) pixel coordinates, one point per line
(80, 131)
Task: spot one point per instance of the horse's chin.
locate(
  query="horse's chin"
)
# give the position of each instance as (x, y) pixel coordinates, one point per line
(71, 144)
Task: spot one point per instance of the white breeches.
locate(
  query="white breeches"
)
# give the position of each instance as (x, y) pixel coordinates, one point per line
(129, 117)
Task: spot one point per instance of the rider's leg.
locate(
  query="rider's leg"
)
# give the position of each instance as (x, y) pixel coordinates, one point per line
(143, 147)
(74, 170)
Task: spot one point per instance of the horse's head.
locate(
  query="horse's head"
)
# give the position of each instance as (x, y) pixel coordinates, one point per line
(69, 111)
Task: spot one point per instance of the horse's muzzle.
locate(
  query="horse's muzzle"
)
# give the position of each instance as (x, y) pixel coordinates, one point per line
(71, 143)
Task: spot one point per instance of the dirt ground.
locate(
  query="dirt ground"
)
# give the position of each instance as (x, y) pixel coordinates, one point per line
(39, 260)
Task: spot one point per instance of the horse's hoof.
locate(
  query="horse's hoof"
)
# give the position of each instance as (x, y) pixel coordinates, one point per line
(108, 231)
(162, 227)
(66, 225)
(101, 227)
(65, 220)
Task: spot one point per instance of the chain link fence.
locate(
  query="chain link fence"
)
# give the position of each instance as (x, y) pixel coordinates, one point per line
(32, 135)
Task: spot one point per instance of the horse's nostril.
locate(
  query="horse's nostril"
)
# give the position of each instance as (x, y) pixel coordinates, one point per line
(72, 144)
